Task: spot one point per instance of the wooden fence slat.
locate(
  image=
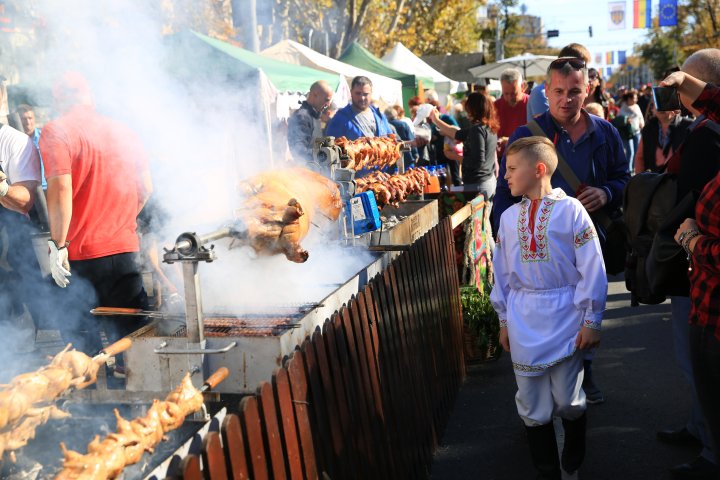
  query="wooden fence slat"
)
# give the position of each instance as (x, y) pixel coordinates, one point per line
(362, 387)
(318, 412)
(190, 467)
(281, 384)
(213, 457)
(383, 392)
(338, 447)
(234, 444)
(252, 425)
(361, 329)
(301, 404)
(420, 442)
(347, 422)
(269, 413)
(389, 360)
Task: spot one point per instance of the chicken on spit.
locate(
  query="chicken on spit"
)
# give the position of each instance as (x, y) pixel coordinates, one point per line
(367, 153)
(279, 206)
(106, 459)
(393, 189)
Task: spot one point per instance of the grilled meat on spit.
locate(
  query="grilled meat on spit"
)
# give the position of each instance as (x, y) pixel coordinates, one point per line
(24, 401)
(371, 152)
(133, 437)
(393, 189)
(278, 207)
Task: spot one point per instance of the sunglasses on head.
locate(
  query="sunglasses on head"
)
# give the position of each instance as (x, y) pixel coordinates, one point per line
(576, 63)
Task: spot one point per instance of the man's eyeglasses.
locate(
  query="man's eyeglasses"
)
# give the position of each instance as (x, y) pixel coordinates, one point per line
(576, 63)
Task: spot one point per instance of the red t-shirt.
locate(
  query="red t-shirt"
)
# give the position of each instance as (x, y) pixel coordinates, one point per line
(509, 117)
(107, 162)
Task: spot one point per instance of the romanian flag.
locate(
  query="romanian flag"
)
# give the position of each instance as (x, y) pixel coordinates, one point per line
(642, 14)
(609, 58)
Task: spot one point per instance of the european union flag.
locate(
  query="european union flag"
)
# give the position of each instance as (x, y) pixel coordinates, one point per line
(622, 58)
(668, 13)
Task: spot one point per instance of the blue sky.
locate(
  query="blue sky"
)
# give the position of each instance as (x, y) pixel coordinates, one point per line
(573, 17)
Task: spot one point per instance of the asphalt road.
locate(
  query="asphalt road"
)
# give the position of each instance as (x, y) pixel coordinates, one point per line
(635, 367)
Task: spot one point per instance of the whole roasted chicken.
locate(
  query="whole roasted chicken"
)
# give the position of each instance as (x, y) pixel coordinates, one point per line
(278, 207)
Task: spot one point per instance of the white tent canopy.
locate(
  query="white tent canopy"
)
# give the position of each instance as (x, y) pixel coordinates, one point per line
(386, 90)
(529, 65)
(401, 58)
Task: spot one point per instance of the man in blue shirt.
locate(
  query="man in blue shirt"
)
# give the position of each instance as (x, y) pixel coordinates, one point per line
(360, 118)
(590, 145)
(27, 119)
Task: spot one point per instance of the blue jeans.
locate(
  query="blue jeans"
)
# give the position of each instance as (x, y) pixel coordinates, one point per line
(631, 146)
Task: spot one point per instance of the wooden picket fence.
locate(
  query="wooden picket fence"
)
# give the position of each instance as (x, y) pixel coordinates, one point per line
(366, 397)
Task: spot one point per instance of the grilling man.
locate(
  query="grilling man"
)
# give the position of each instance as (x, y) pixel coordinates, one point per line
(360, 118)
(304, 124)
(98, 181)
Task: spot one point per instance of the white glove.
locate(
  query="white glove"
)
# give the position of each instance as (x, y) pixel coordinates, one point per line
(59, 264)
(4, 187)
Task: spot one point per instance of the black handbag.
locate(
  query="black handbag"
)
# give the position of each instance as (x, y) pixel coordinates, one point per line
(667, 264)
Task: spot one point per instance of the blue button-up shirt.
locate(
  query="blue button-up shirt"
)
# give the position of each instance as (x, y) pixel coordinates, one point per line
(597, 158)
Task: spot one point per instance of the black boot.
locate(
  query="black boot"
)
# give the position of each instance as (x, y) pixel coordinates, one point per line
(593, 394)
(574, 449)
(543, 449)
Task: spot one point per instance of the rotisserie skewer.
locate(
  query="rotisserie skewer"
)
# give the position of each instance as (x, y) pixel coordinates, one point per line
(25, 403)
(106, 459)
(136, 312)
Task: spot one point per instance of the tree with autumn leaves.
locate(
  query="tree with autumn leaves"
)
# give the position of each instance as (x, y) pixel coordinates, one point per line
(424, 26)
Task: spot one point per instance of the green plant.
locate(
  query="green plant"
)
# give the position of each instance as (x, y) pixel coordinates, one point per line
(481, 321)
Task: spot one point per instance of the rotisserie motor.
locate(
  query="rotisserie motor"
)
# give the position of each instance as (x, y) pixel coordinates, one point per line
(368, 153)
(278, 207)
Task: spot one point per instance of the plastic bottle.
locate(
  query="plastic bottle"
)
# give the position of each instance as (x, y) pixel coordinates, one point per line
(434, 186)
(442, 178)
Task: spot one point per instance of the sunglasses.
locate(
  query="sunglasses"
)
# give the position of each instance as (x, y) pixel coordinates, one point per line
(576, 63)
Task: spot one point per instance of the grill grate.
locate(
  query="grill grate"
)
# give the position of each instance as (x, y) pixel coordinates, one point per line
(256, 326)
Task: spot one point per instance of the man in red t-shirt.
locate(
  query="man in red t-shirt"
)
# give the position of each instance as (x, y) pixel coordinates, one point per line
(98, 181)
(511, 108)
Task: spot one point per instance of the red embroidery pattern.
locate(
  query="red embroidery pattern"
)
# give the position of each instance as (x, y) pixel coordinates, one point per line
(532, 232)
(585, 236)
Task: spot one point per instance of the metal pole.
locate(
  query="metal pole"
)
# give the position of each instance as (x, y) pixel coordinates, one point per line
(193, 303)
(499, 48)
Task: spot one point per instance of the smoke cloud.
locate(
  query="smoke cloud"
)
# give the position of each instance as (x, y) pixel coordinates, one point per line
(203, 129)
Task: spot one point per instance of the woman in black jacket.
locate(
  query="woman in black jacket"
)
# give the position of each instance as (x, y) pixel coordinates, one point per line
(479, 161)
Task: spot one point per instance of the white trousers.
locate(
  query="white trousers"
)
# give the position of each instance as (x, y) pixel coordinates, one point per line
(558, 391)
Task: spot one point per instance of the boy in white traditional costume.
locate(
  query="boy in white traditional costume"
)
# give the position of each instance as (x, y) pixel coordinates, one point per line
(550, 290)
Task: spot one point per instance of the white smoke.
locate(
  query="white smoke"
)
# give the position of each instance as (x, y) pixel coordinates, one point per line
(203, 133)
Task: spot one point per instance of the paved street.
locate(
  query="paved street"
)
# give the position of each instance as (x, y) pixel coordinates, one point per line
(635, 368)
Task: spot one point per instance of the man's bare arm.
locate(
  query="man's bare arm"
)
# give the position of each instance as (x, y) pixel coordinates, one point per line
(20, 196)
(59, 200)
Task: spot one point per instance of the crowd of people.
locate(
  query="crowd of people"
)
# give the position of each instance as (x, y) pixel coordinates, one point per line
(553, 161)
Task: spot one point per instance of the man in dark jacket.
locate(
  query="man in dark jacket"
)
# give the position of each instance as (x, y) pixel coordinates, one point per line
(304, 124)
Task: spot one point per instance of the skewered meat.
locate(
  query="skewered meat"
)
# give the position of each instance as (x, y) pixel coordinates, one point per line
(393, 189)
(279, 206)
(83, 368)
(370, 152)
(133, 437)
(82, 467)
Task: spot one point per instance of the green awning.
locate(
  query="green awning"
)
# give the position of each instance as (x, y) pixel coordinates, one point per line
(284, 76)
(359, 56)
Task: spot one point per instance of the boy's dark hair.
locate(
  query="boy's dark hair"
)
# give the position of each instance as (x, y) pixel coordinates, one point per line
(539, 149)
(24, 108)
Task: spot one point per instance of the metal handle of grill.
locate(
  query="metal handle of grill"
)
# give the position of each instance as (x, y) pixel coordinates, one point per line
(161, 350)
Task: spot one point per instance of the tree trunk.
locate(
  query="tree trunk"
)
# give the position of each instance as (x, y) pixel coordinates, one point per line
(396, 18)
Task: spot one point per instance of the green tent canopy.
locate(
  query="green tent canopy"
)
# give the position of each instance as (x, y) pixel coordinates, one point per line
(284, 76)
(360, 57)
